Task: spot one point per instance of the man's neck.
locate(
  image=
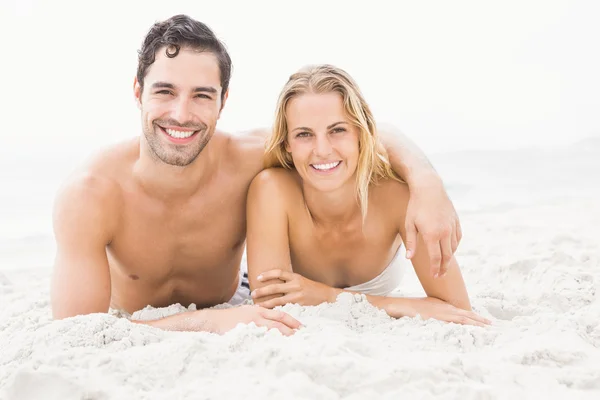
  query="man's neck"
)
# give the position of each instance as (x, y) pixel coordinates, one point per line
(166, 181)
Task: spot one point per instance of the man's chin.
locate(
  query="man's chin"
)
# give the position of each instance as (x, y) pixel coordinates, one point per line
(179, 160)
(175, 154)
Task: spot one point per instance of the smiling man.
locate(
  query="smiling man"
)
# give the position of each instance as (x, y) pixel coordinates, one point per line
(161, 218)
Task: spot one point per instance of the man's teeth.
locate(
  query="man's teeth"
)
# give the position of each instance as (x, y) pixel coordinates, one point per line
(179, 134)
(324, 167)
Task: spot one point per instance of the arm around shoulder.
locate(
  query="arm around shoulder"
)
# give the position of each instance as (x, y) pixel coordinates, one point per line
(406, 158)
(84, 219)
(430, 211)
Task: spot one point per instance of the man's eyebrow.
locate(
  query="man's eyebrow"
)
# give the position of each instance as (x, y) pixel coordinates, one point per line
(208, 89)
(162, 85)
(166, 85)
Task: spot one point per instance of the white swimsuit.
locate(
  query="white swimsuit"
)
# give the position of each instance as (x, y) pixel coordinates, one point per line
(243, 290)
(387, 281)
(382, 285)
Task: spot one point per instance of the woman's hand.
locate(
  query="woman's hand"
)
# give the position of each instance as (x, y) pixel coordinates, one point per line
(292, 288)
(430, 307)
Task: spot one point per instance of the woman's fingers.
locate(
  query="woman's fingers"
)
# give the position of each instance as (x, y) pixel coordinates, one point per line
(269, 290)
(277, 301)
(462, 320)
(477, 317)
(275, 274)
(466, 318)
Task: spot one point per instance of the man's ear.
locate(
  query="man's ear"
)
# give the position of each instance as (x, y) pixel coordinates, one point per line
(137, 92)
(223, 101)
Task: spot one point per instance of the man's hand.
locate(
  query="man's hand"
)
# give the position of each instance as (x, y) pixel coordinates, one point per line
(223, 320)
(226, 319)
(292, 288)
(430, 211)
(431, 214)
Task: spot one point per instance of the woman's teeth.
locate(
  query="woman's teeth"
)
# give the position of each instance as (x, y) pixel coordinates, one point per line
(325, 167)
(179, 134)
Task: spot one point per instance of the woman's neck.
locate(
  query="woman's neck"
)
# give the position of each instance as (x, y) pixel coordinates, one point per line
(338, 207)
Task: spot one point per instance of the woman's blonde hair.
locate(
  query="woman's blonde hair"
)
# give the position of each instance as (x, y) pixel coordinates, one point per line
(373, 161)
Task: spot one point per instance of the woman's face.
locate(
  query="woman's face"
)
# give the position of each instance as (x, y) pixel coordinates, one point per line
(322, 142)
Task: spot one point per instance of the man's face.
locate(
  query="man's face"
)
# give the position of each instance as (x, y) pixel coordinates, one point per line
(180, 103)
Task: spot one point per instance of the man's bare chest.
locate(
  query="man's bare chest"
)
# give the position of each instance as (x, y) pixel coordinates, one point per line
(179, 239)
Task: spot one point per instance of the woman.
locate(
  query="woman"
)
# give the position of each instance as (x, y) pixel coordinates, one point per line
(329, 216)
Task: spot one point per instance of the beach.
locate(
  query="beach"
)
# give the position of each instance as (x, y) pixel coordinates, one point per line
(530, 255)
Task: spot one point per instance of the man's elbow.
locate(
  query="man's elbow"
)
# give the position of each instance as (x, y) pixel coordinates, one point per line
(59, 313)
(63, 311)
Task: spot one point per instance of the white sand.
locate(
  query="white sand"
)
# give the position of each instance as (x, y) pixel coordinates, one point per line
(531, 264)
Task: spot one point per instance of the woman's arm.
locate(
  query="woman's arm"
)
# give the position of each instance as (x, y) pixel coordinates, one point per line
(300, 290)
(269, 256)
(267, 228)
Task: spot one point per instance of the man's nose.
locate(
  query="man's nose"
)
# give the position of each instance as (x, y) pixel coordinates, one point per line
(182, 112)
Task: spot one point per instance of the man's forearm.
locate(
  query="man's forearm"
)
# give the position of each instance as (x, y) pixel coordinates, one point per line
(406, 158)
(187, 321)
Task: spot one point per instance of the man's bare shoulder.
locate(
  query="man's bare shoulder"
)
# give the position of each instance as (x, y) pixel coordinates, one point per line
(246, 149)
(115, 160)
(96, 186)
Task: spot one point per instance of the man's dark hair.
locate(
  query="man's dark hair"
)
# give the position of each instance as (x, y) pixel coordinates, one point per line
(177, 32)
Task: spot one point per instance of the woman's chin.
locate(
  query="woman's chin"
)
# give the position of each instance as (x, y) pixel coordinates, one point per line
(325, 187)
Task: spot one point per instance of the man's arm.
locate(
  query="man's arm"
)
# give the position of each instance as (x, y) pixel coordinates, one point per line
(83, 222)
(85, 217)
(430, 211)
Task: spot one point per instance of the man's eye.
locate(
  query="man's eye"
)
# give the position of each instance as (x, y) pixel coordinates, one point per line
(163, 92)
(204, 96)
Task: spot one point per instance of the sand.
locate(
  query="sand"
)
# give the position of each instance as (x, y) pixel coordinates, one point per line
(531, 264)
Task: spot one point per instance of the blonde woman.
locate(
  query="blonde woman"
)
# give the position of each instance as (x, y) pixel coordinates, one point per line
(328, 214)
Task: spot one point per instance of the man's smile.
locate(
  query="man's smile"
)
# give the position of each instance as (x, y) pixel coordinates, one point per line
(179, 135)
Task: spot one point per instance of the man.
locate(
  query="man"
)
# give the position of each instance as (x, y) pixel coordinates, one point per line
(160, 219)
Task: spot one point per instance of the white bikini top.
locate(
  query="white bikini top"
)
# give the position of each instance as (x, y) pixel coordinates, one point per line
(387, 281)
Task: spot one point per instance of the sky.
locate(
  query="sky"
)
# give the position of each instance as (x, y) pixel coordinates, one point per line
(451, 75)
